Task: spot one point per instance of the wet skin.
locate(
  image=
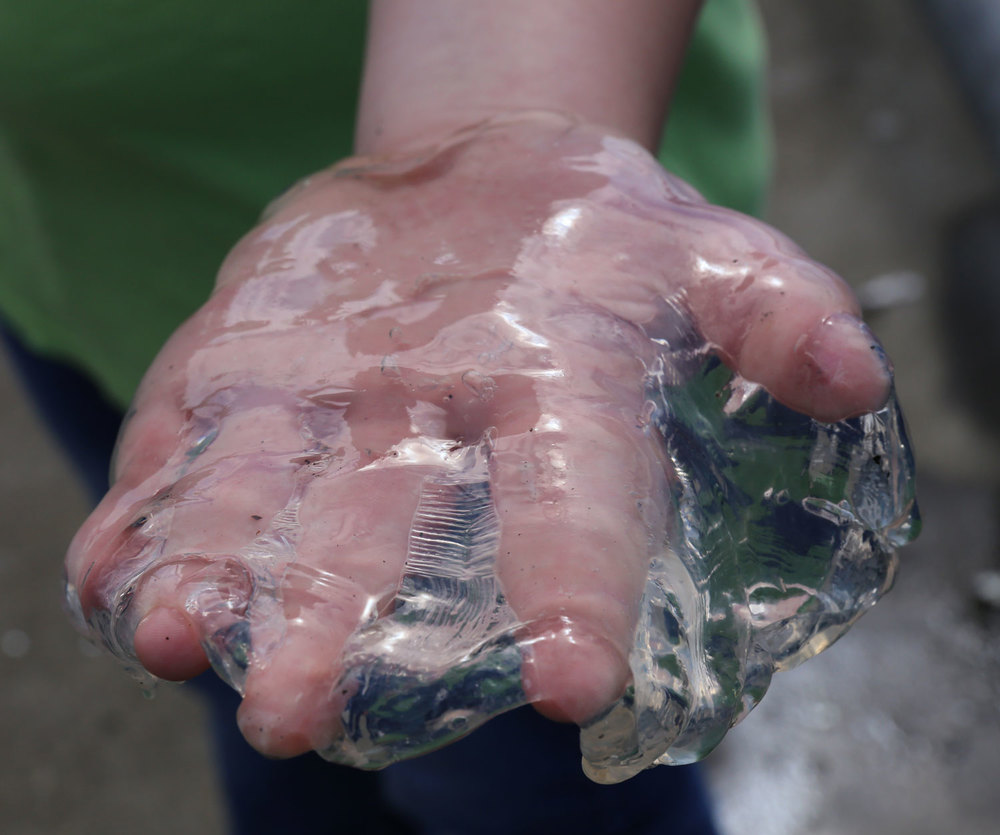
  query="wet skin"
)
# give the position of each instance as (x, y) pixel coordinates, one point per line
(509, 283)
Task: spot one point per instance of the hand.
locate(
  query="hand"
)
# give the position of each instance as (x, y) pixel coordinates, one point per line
(504, 284)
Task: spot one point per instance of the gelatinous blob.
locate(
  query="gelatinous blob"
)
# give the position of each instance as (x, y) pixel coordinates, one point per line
(786, 531)
(445, 659)
(517, 419)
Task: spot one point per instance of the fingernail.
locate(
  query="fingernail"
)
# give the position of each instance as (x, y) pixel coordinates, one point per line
(851, 371)
(856, 334)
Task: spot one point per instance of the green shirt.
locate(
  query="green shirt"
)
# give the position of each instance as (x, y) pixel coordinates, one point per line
(139, 141)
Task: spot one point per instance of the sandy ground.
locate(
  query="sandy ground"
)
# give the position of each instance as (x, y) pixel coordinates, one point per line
(896, 729)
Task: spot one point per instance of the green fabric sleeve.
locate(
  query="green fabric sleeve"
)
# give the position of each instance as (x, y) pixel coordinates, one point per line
(718, 135)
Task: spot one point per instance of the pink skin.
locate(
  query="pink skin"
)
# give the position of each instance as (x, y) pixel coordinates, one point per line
(500, 281)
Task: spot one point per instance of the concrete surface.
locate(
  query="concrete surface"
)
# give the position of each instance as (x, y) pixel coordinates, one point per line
(896, 729)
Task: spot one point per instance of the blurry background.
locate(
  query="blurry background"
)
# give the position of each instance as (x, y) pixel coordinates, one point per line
(896, 729)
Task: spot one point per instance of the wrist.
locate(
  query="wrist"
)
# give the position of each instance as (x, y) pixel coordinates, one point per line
(439, 65)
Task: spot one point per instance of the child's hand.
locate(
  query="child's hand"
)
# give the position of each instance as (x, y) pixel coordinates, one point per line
(509, 282)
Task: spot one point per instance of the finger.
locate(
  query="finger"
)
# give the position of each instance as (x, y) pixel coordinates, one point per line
(191, 604)
(577, 507)
(132, 553)
(775, 316)
(578, 496)
(350, 531)
(350, 555)
(782, 320)
(168, 645)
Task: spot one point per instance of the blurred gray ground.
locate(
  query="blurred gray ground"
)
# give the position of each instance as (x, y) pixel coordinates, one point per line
(896, 729)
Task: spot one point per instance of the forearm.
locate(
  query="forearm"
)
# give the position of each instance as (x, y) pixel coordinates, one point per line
(436, 65)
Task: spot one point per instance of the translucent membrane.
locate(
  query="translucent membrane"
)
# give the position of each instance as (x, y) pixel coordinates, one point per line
(446, 659)
(785, 530)
(783, 534)
(355, 438)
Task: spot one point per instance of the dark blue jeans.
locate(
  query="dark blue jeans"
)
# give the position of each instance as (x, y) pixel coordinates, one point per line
(519, 773)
